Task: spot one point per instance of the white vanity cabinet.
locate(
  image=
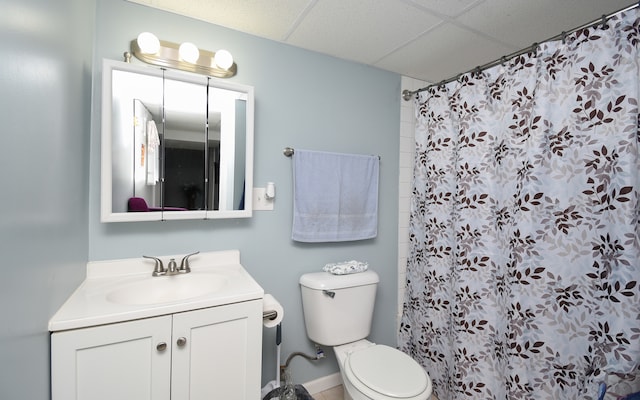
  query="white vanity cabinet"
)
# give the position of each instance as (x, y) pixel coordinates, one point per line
(209, 353)
(222, 356)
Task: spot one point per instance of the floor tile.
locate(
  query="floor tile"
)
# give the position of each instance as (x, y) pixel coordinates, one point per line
(334, 393)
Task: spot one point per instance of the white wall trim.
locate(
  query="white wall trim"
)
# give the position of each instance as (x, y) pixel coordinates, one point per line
(323, 383)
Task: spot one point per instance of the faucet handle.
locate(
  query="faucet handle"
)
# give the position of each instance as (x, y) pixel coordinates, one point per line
(171, 269)
(184, 264)
(158, 269)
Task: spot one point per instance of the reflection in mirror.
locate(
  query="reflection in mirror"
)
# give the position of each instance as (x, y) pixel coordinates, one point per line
(146, 152)
(136, 113)
(184, 145)
(174, 146)
(227, 133)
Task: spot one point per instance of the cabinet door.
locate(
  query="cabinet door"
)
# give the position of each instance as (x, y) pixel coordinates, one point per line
(124, 361)
(217, 353)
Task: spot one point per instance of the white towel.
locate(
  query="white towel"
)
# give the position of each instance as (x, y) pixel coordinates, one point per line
(153, 138)
(335, 196)
(346, 267)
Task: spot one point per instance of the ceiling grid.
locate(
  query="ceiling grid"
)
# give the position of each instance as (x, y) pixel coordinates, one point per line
(430, 40)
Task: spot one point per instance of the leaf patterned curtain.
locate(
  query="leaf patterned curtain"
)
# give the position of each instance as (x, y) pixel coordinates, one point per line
(524, 255)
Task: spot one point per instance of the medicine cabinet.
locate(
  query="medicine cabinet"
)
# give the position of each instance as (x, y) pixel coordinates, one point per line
(175, 145)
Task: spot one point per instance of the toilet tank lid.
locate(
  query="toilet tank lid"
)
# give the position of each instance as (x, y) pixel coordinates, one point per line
(326, 280)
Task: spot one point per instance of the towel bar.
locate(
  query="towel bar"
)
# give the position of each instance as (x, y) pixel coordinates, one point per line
(288, 152)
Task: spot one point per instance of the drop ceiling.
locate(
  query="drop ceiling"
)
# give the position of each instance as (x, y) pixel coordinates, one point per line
(430, 40)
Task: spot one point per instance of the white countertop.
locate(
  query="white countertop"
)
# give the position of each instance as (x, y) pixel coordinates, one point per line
(90, 303)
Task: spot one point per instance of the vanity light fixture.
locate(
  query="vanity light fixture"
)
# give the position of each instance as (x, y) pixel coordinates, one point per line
(186, 56)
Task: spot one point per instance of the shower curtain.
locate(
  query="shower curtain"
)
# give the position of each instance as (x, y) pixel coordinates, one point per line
(524, 254)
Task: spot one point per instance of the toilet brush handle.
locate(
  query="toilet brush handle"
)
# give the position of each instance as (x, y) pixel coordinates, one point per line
(278, 334)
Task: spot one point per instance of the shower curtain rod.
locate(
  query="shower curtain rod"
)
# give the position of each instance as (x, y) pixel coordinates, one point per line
(408, 94)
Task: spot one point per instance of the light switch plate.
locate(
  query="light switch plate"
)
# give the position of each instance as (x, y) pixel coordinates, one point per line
(260, 201)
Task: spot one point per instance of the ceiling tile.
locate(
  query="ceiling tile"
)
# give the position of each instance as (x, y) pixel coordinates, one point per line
(268, 19)
(523, 22)
(363, 31)
(424, 39)
(443, 53)
(450, 8)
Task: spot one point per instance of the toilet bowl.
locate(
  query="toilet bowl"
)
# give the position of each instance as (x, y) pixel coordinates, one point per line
(377, 372)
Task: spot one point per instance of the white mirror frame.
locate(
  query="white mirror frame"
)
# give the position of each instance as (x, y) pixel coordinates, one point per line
(106, 209)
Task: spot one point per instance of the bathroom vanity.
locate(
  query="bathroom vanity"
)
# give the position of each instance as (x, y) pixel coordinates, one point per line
(124, 334)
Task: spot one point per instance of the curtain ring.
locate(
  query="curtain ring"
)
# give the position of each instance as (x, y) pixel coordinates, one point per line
(564, 37)
(534, 48)
(504, 60)
(604, 22)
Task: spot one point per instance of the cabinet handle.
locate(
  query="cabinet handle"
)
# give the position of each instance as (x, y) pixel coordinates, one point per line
(162, 346)
(181, 341)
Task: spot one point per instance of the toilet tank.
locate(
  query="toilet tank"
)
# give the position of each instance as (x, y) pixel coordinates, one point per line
(344, 317)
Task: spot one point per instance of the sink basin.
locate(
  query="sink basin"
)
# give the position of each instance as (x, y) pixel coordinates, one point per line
(164, 289)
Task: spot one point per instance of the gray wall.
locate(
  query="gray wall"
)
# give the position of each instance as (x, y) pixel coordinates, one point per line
(49, 221)
(45, 94)
(304, 100)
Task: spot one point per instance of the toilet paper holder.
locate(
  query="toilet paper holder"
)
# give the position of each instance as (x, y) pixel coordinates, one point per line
(272, 311)
(271, 315)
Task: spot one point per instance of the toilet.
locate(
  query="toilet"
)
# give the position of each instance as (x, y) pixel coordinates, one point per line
(338, 310)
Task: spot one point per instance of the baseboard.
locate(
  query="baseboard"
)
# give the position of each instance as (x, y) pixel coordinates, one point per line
(323, 383)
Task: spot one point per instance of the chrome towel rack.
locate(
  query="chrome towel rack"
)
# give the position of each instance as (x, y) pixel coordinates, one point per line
(288, 152)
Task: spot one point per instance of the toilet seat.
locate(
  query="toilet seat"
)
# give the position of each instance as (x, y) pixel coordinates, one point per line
(382, 372)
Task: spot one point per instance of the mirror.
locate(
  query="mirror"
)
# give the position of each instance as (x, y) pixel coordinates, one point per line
(174, 145)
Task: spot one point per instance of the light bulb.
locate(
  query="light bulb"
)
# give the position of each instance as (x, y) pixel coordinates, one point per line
(189, 52)
(148, 43)
(223, 59)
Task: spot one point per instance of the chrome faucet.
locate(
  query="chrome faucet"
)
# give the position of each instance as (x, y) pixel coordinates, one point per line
(172, 269)
(158, 269)
(184, 264)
